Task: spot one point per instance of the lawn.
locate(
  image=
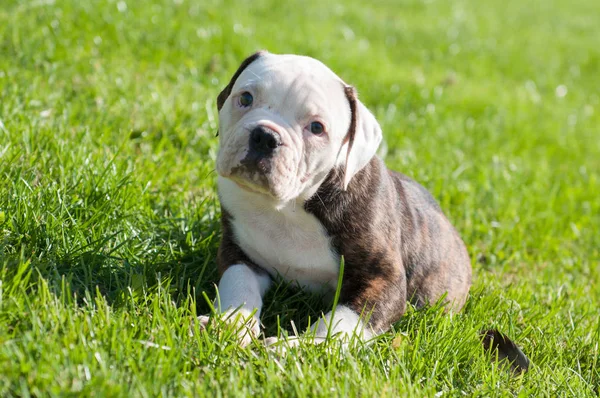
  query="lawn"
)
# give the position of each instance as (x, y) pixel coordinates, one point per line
(109, 218)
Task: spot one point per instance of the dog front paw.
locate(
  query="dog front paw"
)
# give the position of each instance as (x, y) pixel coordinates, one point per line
(281, 345)
(203, 321)
(245, 326)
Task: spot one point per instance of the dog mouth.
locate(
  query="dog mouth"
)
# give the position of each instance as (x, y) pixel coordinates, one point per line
(254, 173)
(259, 173)
(249, 186)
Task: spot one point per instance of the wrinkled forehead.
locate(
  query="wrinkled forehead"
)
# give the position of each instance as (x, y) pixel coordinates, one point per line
(294, 81)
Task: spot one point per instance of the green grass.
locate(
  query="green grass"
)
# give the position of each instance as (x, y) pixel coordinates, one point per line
(109, 219)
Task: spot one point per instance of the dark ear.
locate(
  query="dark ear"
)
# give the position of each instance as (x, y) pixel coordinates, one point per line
(227, 90)
(362, 139)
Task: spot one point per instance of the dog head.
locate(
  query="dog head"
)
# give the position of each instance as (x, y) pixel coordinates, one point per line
(285, 121)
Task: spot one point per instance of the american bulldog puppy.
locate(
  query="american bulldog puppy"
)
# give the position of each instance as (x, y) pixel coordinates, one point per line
(300, 186)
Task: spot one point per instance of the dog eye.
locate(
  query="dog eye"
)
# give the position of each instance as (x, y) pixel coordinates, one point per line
(317, 128)
(246, 99)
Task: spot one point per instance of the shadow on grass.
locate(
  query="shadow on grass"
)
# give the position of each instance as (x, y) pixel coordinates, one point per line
(183, 272)
(166, 259)
(286, 304)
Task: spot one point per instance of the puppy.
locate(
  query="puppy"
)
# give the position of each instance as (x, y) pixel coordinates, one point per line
(301, 186)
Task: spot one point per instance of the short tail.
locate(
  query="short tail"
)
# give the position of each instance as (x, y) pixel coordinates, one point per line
(505, 350)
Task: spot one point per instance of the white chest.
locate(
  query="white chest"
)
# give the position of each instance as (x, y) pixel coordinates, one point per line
(288, 242)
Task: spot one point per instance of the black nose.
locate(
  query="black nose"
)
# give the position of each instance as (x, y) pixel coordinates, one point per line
(263, 140)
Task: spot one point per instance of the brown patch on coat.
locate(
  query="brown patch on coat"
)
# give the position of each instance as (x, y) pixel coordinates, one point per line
(437, 262)
(361, 229)
(376, 288)
(396, 243)
(226, 92)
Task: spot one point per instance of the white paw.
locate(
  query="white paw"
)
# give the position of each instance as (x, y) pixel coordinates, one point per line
(280, 346)
(269, 341)
(203, 321)
(246, 327)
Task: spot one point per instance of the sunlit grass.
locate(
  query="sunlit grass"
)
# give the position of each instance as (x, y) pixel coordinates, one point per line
(109, 218)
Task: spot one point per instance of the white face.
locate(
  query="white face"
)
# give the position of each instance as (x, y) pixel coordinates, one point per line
(282, 127)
